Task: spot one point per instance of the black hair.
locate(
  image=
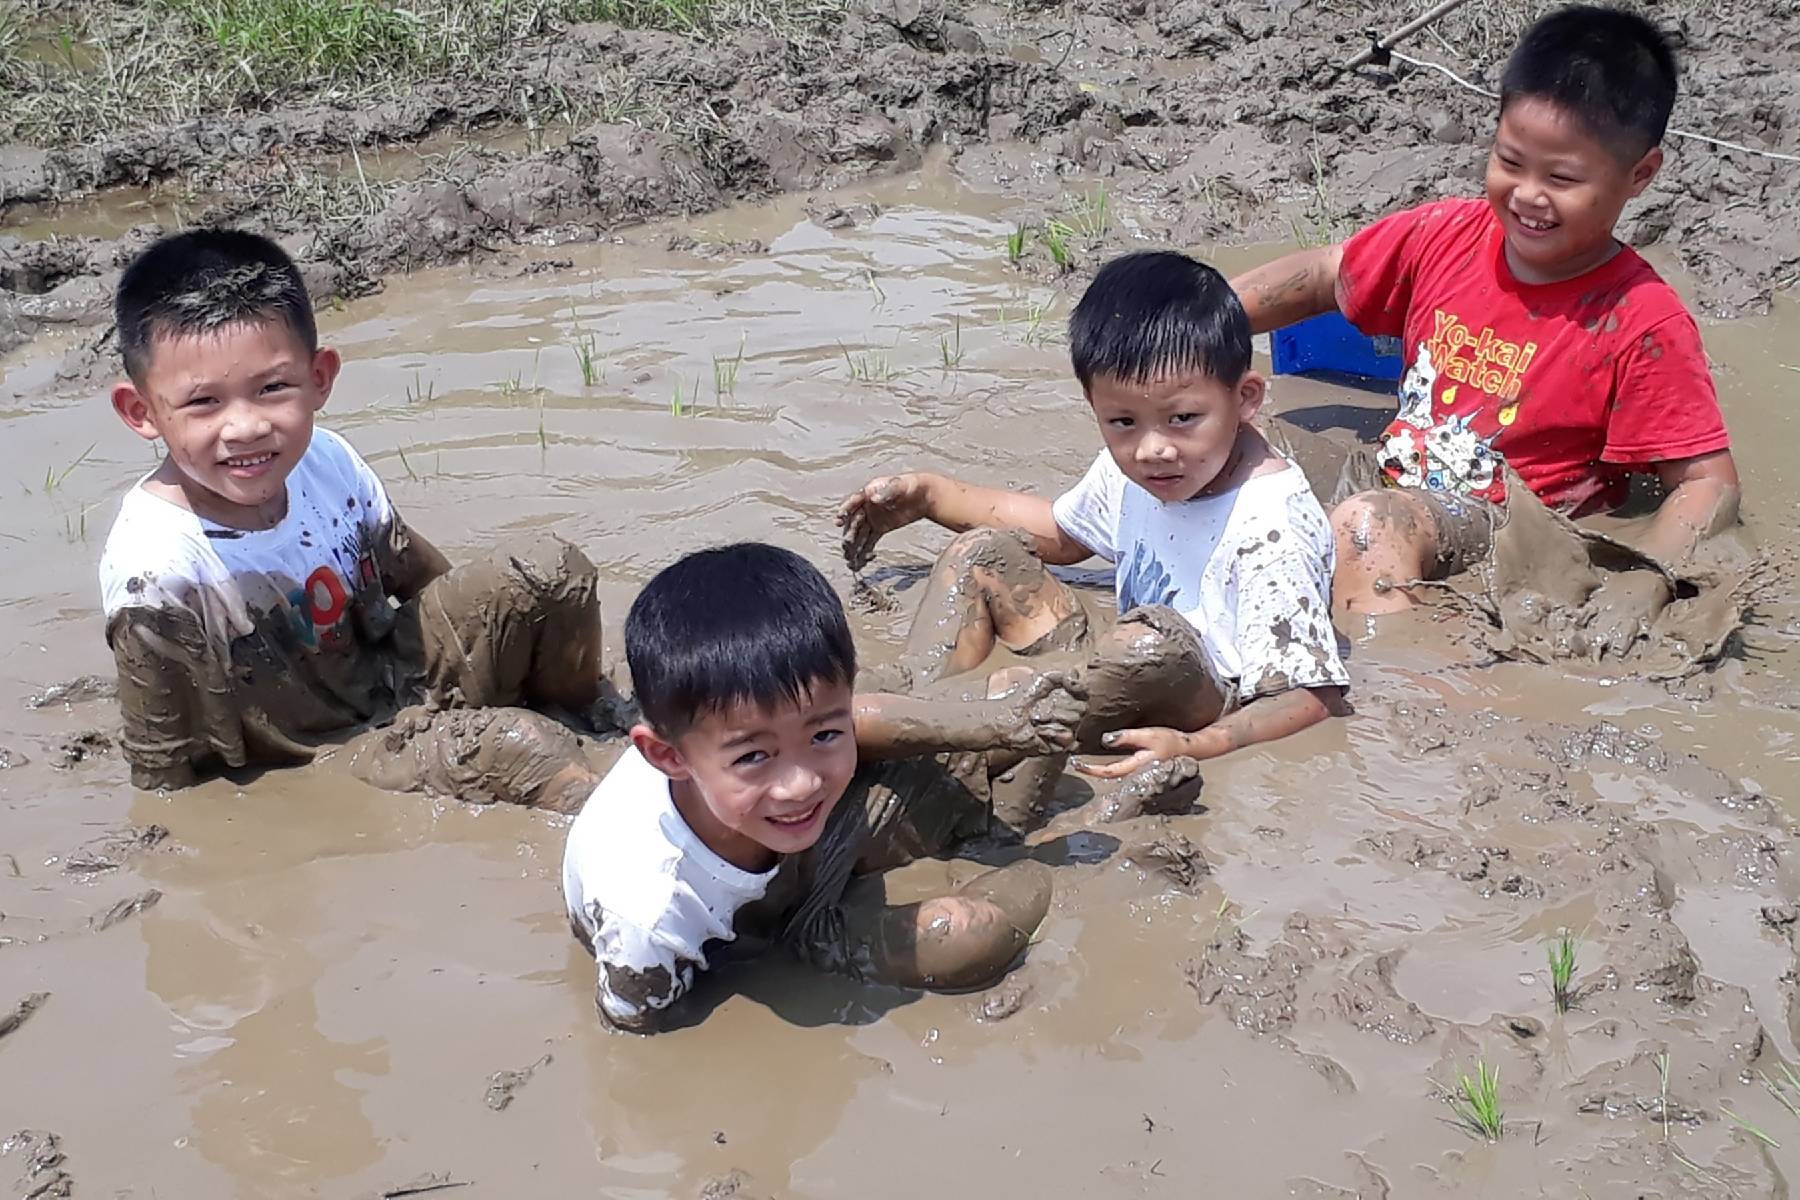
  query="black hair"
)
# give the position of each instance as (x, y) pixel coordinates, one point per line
(743, 624)
(1611, 70)
(205, 279)
(1158, 312)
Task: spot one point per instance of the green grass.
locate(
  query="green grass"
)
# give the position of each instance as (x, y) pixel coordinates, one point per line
(1089, 217)
(868, 366)
(1477, 1102)
(1750, 1129)
(134, 65)
(593, 367)
(683, 400)
(1561, 953)
(54, 479)
(1016, 241)
(950, 348)
(1055, 235)
(725, 372)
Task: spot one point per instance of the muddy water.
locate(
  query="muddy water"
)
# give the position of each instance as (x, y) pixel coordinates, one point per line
(331, 975)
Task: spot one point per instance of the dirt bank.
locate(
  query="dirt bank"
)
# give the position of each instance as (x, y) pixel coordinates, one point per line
(1170, 121)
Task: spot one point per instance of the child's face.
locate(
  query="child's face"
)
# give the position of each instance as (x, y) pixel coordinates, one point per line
(235, 408)
(766, 778)
(1558, 191)
(1173, 436)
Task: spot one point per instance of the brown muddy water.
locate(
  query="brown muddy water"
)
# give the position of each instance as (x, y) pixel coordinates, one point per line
(316, 1003)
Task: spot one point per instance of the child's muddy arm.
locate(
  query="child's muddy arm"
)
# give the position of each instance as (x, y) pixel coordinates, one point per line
(411, 561)
(1292, 288)
(1262, 720)
(1038, 718)
(159, 739)
(895, 501)
(1702, 502)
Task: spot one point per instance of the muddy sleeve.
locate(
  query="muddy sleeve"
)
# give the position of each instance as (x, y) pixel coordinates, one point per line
(407, 561)
(641, 977)
(1285, 638)
(1664, 404)
(1375, 279)
(174, 698)
(1089, 511)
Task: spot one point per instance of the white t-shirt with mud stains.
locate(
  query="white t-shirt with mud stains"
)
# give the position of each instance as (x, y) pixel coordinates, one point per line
(647, 893)
(1250, 569)
(308, 566)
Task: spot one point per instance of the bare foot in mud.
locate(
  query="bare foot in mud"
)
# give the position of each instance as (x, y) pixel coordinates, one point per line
(965, 940)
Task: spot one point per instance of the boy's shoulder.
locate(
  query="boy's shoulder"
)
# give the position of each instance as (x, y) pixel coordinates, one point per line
(630, 852)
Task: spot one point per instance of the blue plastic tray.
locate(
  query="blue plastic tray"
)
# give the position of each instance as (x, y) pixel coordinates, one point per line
(1330, 343)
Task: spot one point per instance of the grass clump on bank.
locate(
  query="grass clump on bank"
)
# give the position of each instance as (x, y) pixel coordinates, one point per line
(111, 66)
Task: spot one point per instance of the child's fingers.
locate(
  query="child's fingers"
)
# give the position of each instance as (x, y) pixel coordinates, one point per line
(1113, 770)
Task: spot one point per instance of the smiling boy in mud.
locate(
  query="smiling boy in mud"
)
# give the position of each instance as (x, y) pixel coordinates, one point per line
(1222, 556)
(757, 784)
(1535, 340)
(247, 580)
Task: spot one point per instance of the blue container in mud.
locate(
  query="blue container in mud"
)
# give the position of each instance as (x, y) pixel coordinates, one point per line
(1330, 343)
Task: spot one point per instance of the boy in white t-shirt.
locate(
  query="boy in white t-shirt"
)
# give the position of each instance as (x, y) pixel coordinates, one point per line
(1188, 501)
(262, 596)
(758, 784)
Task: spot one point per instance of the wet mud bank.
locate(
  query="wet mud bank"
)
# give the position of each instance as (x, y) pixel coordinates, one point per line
(1171, 121)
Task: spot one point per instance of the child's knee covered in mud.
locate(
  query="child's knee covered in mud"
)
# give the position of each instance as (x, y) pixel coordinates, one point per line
(1384, 518)
(1002, 554)
(1150, 668)
(970, 938)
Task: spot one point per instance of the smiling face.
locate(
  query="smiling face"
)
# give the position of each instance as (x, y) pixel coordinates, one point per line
(234, 407)
(1173, 436)
(756, 783)
(1558, 191)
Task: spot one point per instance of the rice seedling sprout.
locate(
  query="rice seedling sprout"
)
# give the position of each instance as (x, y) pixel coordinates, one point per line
(1477, 1105)
(1750, 1129)
(1561, 953)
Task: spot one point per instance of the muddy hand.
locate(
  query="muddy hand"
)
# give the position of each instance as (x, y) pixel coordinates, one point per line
(1142, 748)
(1043, 714)
(1620, 613)
(882, 506)
(1166, 785)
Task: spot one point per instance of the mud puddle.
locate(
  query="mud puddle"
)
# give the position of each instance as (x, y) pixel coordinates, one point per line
(1263, 997)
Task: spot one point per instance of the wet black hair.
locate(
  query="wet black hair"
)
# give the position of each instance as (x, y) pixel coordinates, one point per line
(742, 624)
(1611, 70)
(205, 279)
(1158, 312)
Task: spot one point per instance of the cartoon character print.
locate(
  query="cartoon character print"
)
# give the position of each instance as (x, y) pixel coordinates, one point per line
(1144, 581)
(1457, 460)
(1421, 451)
(1416, 390)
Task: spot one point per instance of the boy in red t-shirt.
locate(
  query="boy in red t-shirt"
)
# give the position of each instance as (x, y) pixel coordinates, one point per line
(1533, 338)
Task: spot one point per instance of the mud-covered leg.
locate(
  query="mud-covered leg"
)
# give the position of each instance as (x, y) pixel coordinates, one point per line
(986, 589)
(478, 755)
(968, 939)
(1386, 539)
(519, 627)
(1149, 669)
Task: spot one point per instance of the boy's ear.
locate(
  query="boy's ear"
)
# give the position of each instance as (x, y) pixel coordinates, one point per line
(134, 409)
(1252, 390)
(1646, 170)
(659, 752)
(326, 364)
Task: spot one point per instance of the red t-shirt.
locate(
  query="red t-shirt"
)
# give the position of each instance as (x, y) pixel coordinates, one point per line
(1573, 384)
